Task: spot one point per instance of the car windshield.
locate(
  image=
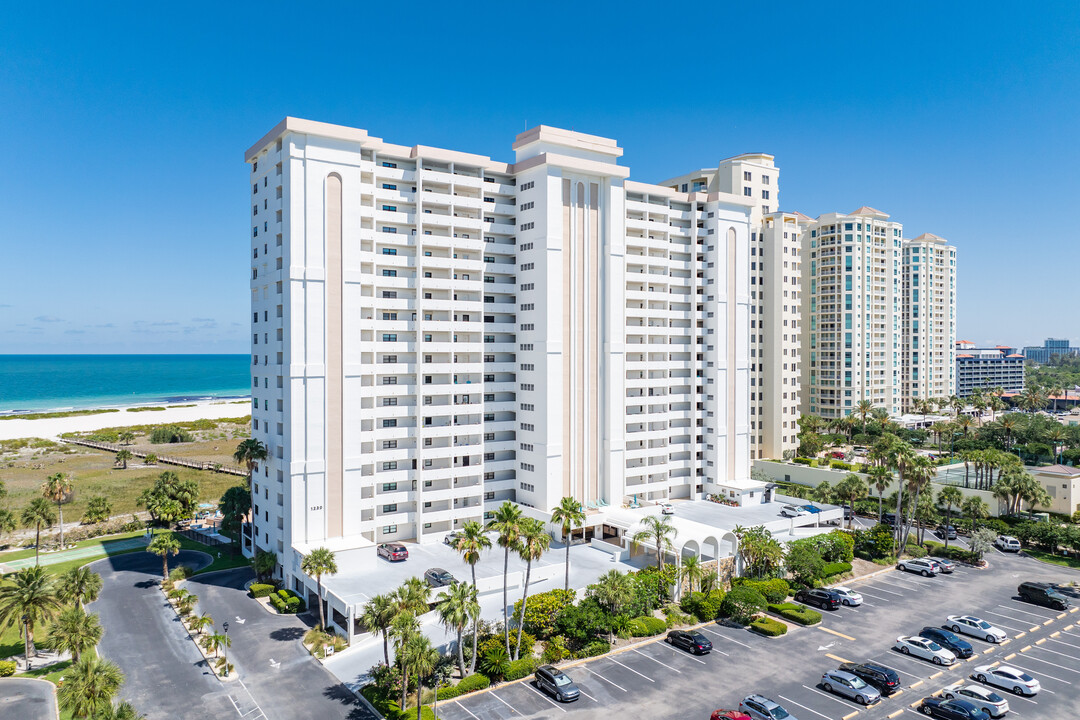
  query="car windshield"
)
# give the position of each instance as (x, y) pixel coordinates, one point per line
(562, 680)
(933, 645)
(779, 713)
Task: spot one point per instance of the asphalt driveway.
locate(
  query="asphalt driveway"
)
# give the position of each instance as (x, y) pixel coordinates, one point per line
(27, 699)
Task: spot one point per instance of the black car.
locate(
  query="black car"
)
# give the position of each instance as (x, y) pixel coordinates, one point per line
(437, 577)
(884, 680)
(949, 641)
(950, 709)
(943, 531)
(889, 519)
(695, 642)
(555, 682)
(1043, 594)
(819, 597)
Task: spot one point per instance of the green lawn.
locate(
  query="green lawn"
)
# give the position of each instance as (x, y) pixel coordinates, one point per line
(21, 554)
(1073, 561)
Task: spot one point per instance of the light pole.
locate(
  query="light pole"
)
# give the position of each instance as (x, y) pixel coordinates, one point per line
(225, 627)
(26, 640)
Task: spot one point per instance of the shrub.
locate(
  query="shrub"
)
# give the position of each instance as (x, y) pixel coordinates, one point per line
(646, 625)
(7, 668)
(278, 603)
(796, 613)
(829, 570)
(592, 649)
(768, 626)
(259, 590)
(182, 572)
(840, 465)
(775, 590)
(741, 604)
(494, 662)
(801, 461)
(97, 510)
(555, 650)
(472, 683)
(527, 643)
(915, 551)
(521, 668)
(169, 434)
(543, 610)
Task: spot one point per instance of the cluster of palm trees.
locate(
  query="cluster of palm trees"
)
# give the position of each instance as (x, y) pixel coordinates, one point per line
(32, 599)
(38, 514)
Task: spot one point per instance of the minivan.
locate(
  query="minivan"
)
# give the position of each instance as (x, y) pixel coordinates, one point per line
(555, 682)
(1042, 594)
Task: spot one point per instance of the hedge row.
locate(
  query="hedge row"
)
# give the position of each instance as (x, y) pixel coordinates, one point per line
(646, 625)
(520, 668)
(7, 668)
(472, 683)
(596, 647)
(259, 590)
(774, 591)
(703, 607)
(829, 570)
(287, 602)
(768, 626)
(796, 613)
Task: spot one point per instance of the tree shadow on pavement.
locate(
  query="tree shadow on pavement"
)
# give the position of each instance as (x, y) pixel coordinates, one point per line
(144, 584)
(341, 694)
(287, 634)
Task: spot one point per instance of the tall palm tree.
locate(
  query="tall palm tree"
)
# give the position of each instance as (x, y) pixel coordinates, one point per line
(692, 571)
(57, 488)
(996, 406)
(90, 686)
(964, 422)
(863, 409)
(38, 514)
(507, 522)
(376, 616)
(613, 590)
(1055, 390)
(957, 405)
(975, 508)
(657, 529)
(570, 514)
(75, 632)
(471, 542)
(79, 585)
(949, 496)
(421, 659)
(404, 628)
(850, 489)
(882, 478)
(317, 563)
(918, 478)
(532, 545)
(902, 457)
(458, 607)
(249, 453)
(122, 457)
(29, 597)
(1009, 425)
(164, 545)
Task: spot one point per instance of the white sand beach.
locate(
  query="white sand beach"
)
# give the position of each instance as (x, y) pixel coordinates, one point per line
(51, 428)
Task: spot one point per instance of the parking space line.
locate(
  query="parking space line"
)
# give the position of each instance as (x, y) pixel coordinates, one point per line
(803, 707)
(836, 658)
(1061, 642)
(535, 690)
(729, 639)
(835, 698)
(512, 709)
(891, 592)
(609, 682)
(650, 657)
(1059, 666)
(1026, 612)
(1071, 657)
(881, 599)
(466, 710)
(685, 656)
(833, 632)
(587, 695)
(1036, 672)
(631, 670)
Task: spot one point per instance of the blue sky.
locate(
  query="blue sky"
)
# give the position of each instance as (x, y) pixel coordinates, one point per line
(123, 192)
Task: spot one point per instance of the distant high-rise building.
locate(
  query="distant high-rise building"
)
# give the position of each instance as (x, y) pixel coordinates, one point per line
(1050, 348)
(996, 367)
(929, 319)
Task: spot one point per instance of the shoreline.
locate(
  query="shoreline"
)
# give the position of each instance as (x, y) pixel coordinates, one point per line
(52, 428)
(118, 404)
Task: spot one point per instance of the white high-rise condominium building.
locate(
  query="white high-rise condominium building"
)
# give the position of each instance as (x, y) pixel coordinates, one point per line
(775, 296)
(435, 332)
(852, 330)
(929, 307)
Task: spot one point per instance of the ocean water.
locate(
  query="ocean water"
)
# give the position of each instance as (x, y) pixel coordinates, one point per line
(55, 382)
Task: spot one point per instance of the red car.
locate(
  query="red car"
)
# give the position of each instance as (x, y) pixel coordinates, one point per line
(836, 454)
(394, 552)
(729, 715)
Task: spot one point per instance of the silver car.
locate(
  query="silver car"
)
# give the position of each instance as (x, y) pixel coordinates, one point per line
(983, 698)
(919, 565)
(850, 686)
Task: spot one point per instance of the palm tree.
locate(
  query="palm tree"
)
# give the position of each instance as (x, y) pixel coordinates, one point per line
(949, 496)
(570, 513)
(56, 488)
(957, 405)
(458, 607)
(470, 543)
(126, 436)
(918, 477)
(7, 521)
(421, 659)
(317, 563)
(122, 457)
(657, 529)
(1056, 389)
(376, 616)
(850, 489)
(164, 545)
(249, 453)
(28, 597)
(692, 571)
(37, 514)
(217, 642)
(996, 406)
(198, 623)
(75, 632)
(863, 409)
(89, 687)
(1009, 425)
(404, 628)
(975, 508)
(902, 457)
(79, 585)
(613, 590)
(882, 478)
(264, 563)
(507, 522)
(532, 545)
(964, 423)
(122, 711)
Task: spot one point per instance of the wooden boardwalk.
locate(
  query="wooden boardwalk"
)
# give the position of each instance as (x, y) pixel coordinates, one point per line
(165, 459)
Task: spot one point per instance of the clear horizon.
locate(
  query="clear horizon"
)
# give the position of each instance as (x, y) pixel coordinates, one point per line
(124, 212)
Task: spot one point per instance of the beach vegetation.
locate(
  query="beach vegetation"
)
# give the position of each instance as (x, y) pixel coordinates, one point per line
(60, 414)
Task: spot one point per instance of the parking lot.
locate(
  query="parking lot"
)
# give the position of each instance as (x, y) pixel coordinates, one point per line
(654, 680)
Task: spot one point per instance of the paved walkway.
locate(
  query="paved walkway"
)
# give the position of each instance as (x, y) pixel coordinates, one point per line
(27, 699)
(110, 547)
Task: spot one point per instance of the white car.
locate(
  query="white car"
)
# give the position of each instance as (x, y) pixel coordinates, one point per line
(666, 509)
(1007, 543)
(975, 627)
(926, 568)
(847, 595)
(925, 649)
(793, 511)
(1009, 678)
(980, 697)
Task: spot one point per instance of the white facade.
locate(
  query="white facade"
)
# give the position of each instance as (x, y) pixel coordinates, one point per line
(434, 332)
(929, 308)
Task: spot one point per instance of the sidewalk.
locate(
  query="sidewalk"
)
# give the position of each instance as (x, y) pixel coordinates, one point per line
(109, 547)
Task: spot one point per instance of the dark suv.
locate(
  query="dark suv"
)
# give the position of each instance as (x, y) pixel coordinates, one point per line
(819, 597)
(695, 642)
(885, 680)
(1043, 594)
(555, 682)
(949, 641)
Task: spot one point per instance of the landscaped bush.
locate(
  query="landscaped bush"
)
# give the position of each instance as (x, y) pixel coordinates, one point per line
(841, 465)
(646, 625)
(802, 461)
(472, 683)
(594, 648)
(7, 668)
(775, 590)
(542, 611)
(742, 604)
(555, 650)
(768, 626)
(520, 668)
(259, 590)
(183, 572)
(915, 551)
(831, 569)
(169, 434)
(796, 613)
(527, 644)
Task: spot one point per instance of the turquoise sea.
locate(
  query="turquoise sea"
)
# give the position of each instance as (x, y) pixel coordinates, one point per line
(56, 382)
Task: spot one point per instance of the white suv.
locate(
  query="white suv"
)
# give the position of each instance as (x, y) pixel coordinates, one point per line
(926, 568)
(1007, 543)
(793, 511)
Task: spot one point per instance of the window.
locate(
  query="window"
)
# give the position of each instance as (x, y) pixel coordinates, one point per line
(389, 165)
(389, 273)
(524, 206)
(527, 186)
(389, 337)
(528, 226)
(389, 316)
(389, 294)
(389, 423)
(764, 179)
(747, 191)
(388, 186)
(392, 507)
(389, 529)
(390, 208)
(747, 176)
(390, 230)
(389, 251)
(764, 194)
(390, 487)
(389, 358)
(389, 401)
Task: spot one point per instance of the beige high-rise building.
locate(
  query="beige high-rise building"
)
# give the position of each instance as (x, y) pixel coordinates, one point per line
(929, 307)
(775, 296)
